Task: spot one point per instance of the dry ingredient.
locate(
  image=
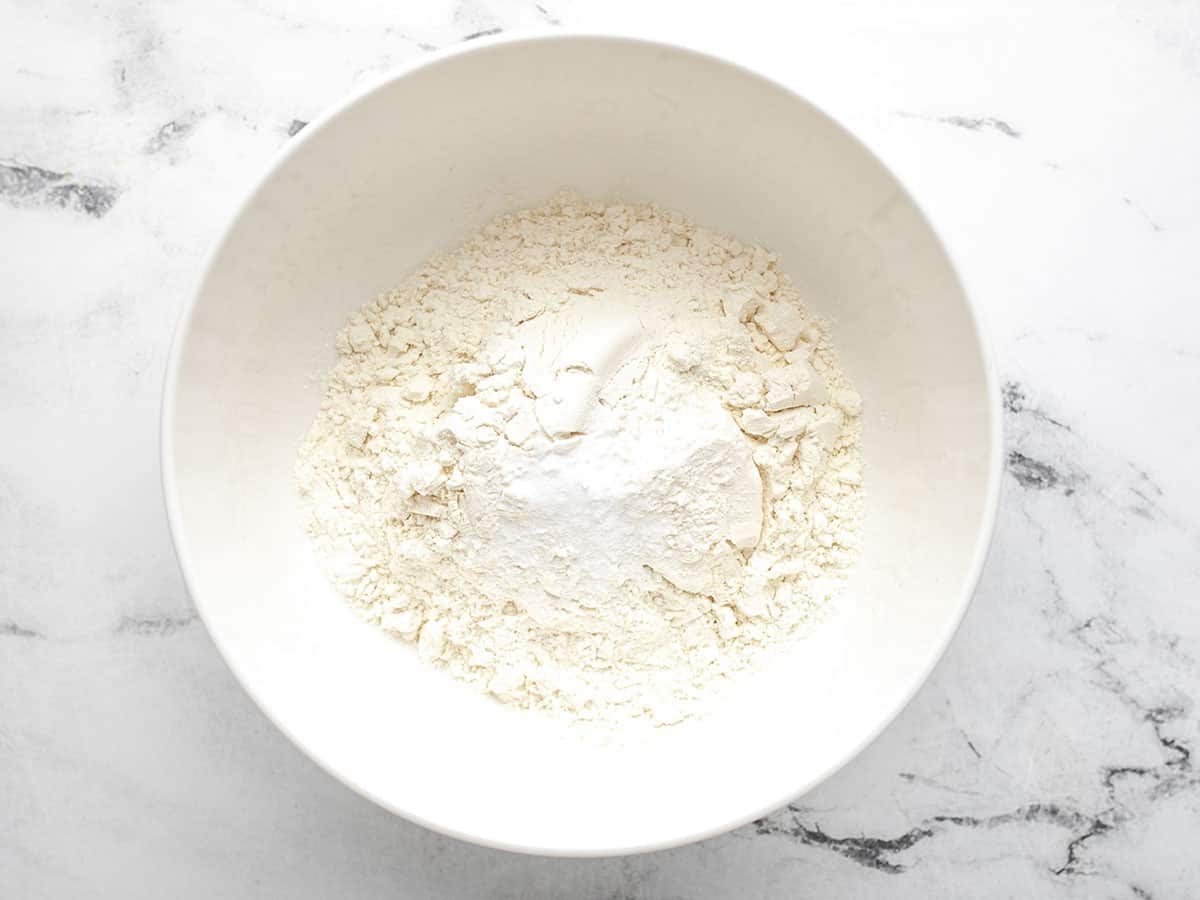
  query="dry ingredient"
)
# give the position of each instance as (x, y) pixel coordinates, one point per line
(594, 460)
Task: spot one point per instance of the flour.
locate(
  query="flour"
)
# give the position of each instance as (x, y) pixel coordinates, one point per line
(594, 460)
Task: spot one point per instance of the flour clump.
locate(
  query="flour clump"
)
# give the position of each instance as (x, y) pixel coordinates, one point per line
(594, 460)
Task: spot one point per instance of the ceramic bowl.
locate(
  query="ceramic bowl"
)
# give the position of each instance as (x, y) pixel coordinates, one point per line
(412, 166)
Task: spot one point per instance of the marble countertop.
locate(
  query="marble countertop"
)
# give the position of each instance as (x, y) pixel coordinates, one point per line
(1055, 751)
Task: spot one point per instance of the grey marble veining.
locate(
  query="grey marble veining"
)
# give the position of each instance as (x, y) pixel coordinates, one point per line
(1056, 749)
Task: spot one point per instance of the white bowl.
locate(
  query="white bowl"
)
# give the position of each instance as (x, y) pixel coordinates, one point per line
(414, 165)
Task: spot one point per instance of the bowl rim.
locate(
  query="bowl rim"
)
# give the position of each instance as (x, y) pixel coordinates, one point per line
(986, 526)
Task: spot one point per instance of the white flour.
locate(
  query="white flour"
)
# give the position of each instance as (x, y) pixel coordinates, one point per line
(593, 460)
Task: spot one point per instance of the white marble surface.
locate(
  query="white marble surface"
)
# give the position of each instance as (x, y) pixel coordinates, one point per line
(1056, 750)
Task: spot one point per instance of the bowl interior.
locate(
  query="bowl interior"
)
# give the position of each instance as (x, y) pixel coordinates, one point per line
(413, 167)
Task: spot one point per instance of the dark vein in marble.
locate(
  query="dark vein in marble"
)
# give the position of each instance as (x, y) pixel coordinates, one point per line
(296, 127)
(1175, 773)
(1016, 400)
(1139, 495)
(153, 627)
(171, 133)
(1037, 475)
(1030, 472)
(1123, 487)
(977, 124)
(1145, 478)
(1071, 866)
(970, 123)
(547, 17)
(1160, 716)
(1149, 495)
(1098, 635)
(486, 32)
(24, 185)
(866, 851)
(913, 778)
(876, 853)
(1107, 629)
(12, 629)
(1154, 226)
(1110, 775)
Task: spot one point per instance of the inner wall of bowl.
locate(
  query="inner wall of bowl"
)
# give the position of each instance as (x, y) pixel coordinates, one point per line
(413, 169)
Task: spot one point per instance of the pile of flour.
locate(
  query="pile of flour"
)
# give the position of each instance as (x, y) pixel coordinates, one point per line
(593, 460)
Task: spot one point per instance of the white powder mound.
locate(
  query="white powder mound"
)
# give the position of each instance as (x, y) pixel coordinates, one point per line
(594, 460)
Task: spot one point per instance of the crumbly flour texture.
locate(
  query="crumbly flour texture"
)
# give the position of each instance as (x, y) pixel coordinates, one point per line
(595, 460)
